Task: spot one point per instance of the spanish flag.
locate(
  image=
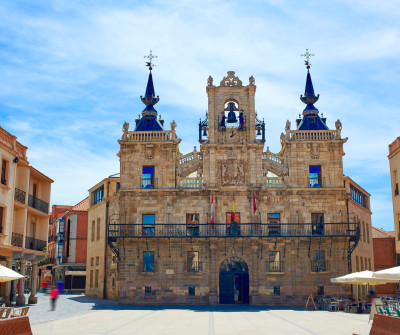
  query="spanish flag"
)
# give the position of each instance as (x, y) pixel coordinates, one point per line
(233, 210)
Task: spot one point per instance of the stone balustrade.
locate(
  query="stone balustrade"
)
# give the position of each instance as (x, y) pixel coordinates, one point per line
(271, 157)
(273, 182)
(190, 157)
(191, 182)
(313, 135)
(150, 136)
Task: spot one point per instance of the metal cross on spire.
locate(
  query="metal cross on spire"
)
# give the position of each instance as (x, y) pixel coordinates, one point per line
(150, 57)
(307, 56)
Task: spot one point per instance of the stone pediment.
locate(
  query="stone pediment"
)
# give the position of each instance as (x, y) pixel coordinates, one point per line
(231, 80)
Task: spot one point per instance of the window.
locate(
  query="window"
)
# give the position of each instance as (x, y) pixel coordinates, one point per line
(315, 176)
(148, 261)
(277, 290)
(363, 231)
(274, 263)
(113, 282)
(232, 226)
(97, 260)
(96, 279)
(358, 196)
(193, 261)
(192, 291)
(148, 224)
(317, 221)
(1, 219)
(148, 177)
(369, 264)
(97, 195)
(396, 184)
(147, 290)
(319, 263)
(98, 229)
(4, 168)
(93, 230)
(91, 278)
(320, 290)
(192, 224)
(92, 261)
(118, 187)
(367, 229)
(274, 224)
(357, 264)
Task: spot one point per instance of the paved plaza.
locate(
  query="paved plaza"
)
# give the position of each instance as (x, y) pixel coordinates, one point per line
(78, 314)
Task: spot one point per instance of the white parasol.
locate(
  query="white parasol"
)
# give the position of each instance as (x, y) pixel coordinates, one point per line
(6, 274)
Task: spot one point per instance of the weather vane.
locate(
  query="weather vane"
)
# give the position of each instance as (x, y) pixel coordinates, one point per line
(150, 57)
(307, 56)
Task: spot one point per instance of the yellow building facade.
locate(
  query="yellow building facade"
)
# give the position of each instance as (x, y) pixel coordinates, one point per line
(394, 164)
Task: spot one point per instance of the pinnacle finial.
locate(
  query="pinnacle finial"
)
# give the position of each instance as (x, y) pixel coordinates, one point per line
(307, 57)
(150, 58)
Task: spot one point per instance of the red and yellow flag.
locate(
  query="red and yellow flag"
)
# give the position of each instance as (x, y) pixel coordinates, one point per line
(212, 212)
(233, 210)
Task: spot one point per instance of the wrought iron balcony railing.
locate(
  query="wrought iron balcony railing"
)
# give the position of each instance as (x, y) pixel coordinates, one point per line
(149, 183)
(278, 266)
(17, 239)
(52, 238)
(262, 230)
(37, 203)
(20, 195)
(35, 244)
(194, 266)
(319, 266)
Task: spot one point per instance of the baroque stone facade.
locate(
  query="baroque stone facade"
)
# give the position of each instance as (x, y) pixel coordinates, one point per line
(174, 236)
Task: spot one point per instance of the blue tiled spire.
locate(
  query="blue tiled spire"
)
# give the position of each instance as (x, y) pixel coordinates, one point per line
(148, 121)
(309, 96)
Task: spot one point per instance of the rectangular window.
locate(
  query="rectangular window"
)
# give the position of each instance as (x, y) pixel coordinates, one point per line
(319, 263)
(315, 176)
(148, 177)
(92, 261)
(367, 229)
(97, 260)
(357, 264)
(320, 290)
(193, 261)
(93, 230)
(317, 220)
(98, 229)
(363, 231)
(118, 187)
(4, 172)
(192, 291)
(358, 196)
(396, 184)
(148, 261)
(149, 221)
(97, 195)
(369, 264)
(147, 290)
(113, 282)
(277, 290)
(1, 219)
(192, 224)
(91, 278)
(96, 279)
(274, 224)
(274, 263)
(233, 224)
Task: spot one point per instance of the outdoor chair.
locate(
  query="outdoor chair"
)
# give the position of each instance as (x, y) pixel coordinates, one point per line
(388, 311)
(5, 313)
(398, 313)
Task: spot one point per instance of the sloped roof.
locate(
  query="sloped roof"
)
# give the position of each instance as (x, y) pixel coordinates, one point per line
(82, 206)
(380, 233)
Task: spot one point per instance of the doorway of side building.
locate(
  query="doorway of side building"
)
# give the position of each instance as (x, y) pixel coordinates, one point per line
(234, 281)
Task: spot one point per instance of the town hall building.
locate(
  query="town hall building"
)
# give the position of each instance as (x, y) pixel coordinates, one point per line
(231, 222)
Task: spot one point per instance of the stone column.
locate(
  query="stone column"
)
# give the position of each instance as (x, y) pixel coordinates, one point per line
(33, 298)
(213, 295)
(7, 300)
(20, 301)
(254, 275)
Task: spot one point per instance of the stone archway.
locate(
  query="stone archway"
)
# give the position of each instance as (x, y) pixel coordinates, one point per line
(233, 281)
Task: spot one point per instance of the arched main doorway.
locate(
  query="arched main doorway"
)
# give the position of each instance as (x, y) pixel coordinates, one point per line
(234, 281)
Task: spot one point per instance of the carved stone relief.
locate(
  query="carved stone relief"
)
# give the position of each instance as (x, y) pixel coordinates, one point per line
(231, 172)
(148, 150)
(231, 80)
(314, 150)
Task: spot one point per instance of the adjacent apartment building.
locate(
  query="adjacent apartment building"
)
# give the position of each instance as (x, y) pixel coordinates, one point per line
(24, 216)
(394, 163)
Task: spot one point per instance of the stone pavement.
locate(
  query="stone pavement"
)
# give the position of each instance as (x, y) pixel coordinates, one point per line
(84, 315)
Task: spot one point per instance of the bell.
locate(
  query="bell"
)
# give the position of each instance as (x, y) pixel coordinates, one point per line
(204, 131)
(232, 117)
(258, 131)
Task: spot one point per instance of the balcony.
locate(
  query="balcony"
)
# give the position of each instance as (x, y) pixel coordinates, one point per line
(17, 239)
(319, 266)
(278, 266)
(221, 230)
(35, 244)
(52, 239)
(38, 204)
(20, 195)
(194, 266)
(149, 183)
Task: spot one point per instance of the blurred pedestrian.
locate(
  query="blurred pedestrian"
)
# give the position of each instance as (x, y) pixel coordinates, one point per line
(53, 297)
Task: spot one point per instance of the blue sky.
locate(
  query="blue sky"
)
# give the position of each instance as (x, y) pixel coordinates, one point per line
(71, 72)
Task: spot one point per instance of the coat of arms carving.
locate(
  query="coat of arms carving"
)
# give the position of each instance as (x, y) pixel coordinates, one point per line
(148, 150)
(231, 172)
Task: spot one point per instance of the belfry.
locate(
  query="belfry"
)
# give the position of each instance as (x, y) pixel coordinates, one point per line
(232, 222)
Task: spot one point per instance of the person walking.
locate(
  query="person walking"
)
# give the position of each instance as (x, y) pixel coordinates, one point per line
(53, 297)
